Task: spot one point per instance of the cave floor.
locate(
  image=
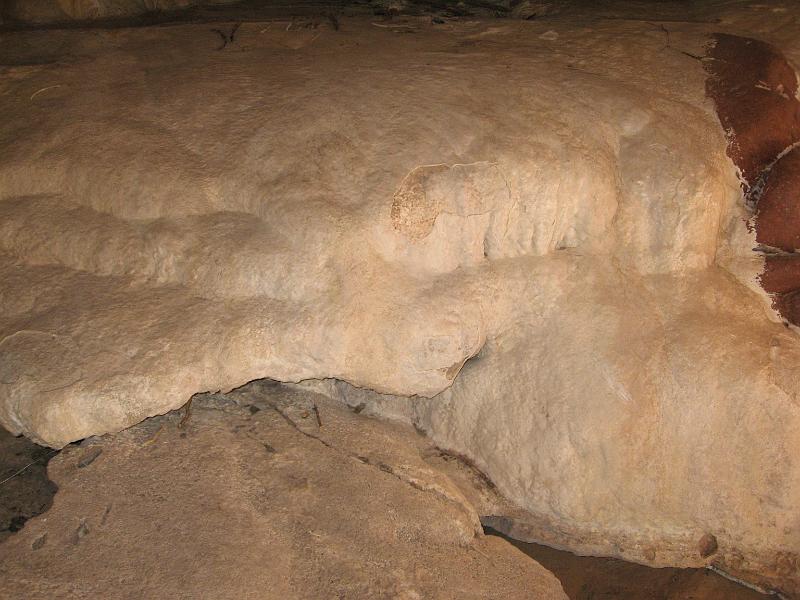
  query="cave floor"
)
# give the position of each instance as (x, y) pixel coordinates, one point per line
(133, 512)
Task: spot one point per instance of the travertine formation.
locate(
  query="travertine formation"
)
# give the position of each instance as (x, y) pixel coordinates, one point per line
(527, 238)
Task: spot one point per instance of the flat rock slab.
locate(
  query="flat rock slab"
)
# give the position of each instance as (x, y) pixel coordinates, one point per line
(262, 493)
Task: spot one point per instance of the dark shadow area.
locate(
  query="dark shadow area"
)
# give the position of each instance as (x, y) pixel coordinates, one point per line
(664, 11)
(266, 10)
(25, 490)
(599, 578)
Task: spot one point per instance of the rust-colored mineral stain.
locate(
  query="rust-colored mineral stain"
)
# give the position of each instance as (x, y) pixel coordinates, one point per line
(754, 89)
(788, 305)
(778, 211)
(781, 273)
(780, 278)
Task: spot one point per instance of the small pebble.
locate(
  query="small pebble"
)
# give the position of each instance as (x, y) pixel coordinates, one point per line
(707, 545)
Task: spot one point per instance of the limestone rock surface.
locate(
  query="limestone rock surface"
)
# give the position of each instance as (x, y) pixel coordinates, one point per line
(528, 238)
(298, 207)
(250, 497)
(683, 428)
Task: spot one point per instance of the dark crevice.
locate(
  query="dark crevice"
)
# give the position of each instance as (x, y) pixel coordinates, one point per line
(25, 490)
(603, 578)
(319, 11)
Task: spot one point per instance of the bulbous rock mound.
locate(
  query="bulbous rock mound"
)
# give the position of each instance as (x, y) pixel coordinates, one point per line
(527, 238)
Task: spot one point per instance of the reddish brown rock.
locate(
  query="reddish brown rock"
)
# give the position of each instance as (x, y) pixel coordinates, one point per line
(781, 274)
(778, 215)
(753, 87)
(781, 278)
(788, 305)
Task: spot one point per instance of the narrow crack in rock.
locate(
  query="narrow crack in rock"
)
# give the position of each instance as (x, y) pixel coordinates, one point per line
(415, 483)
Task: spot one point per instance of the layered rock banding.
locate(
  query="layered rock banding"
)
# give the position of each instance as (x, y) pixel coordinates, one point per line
(533, 248)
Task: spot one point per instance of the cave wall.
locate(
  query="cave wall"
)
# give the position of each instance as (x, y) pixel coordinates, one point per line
(58, 11)
(528, 239)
